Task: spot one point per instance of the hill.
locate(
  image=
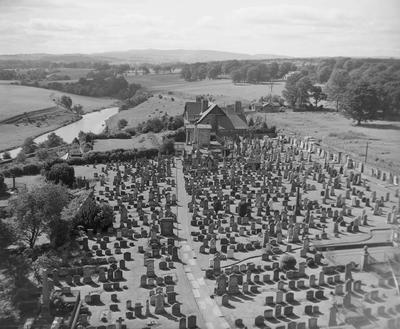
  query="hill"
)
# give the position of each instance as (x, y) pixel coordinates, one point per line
(153, 56)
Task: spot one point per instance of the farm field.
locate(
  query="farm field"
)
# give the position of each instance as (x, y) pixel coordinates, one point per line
(73, 73)
(13, 135)
(153, 107)
(339, 133)
(17, 100)
(223, 90)
(43, 115)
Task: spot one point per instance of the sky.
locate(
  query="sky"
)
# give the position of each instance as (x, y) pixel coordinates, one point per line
(306, 28)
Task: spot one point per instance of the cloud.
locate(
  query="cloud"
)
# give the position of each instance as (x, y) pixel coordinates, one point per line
(293, 16)
(313, 28)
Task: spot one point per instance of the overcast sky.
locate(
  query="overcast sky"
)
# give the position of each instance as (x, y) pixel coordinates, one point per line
(284, 27)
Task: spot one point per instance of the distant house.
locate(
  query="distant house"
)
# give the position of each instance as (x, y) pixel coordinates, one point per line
(75, 151)
(206, 122)
(268, 107)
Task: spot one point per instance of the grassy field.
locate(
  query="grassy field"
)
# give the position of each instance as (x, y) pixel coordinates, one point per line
(153, 107)
(73, 73)
(223, 90)
(144, 141)
(17, 100)
(333, 130)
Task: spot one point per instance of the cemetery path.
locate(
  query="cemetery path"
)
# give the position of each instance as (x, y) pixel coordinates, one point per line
(207, 306)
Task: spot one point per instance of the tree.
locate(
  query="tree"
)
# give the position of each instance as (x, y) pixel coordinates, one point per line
(361, 102)
(213, 71)
(6, 155)
(7, 235)
(284, 69)
(53, 140)
(38, 211)
(251, 122)
(303, 86)
(122, 123)
(61, 173)
(288, 262)
(85, 211)
(29, 145)
(290, 92)
(167, 147)
(336, 86)
(252, 75)
(3, 185)
(77, 109)
(317, 95)
(21, 157)
(273, 69)
(66, 102)
(324, 73)
(237, 76)
(157, 69)
(42, 154)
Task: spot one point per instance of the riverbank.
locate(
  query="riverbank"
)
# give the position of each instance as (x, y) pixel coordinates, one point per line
(63, 123)
(30, 112)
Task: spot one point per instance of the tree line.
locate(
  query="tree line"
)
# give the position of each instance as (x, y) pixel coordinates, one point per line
(238, 71)
(362, 89)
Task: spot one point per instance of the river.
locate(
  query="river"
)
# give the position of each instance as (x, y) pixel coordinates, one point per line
(91, 122)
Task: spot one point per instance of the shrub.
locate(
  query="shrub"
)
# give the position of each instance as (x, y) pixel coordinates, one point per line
(31, 169)
(167, 147)
(61, 173)
(288, 262)
(3, 186)
(21, 157)
(6, 155)
(131, 131)
(42, 154)
(122, 123)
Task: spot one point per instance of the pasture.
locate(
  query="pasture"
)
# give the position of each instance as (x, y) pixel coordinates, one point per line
(153, 107)
(73, 73)
(16, 100)
(222, 90)
(335, 131)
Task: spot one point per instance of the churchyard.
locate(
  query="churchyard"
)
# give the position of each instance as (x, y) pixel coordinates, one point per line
(334, 131)
(246, 219)
(132, 275)
(275, 234)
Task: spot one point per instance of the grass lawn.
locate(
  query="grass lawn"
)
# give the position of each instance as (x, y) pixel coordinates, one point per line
(17, 100)
(223, 90)
(153, 107)
(144, 141)
(338, 132)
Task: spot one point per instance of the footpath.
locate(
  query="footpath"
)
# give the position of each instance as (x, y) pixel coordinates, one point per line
(208, 308)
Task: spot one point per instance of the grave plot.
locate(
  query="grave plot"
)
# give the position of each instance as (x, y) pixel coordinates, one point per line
(131, 275)
(262, 219)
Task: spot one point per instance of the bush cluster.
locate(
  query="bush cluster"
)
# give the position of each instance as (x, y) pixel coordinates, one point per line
(114, 155)
(159, 124)
(23, 170)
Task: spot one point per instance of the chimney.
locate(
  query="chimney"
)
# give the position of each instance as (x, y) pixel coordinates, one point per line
(204, 105)
(238, 107)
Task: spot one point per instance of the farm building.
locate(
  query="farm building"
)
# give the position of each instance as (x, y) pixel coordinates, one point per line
(206, 122)
(268, 107)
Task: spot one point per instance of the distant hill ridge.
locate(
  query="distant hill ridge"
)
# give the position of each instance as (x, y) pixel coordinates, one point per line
(152, 56)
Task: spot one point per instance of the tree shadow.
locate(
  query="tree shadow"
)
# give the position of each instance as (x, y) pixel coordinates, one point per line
(380, 126)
